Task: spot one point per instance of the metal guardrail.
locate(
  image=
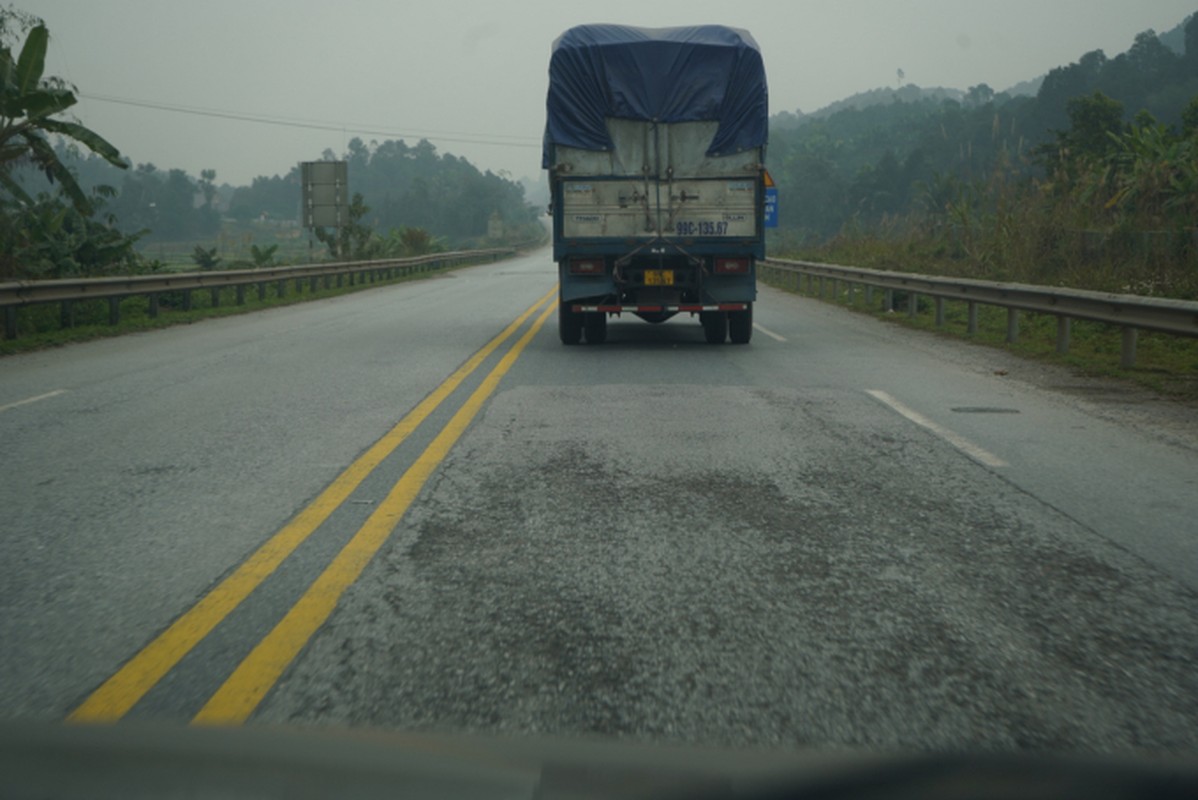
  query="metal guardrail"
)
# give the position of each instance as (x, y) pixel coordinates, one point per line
(1133, 313)
(17, 294)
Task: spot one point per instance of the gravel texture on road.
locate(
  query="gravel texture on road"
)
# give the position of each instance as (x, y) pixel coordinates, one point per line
(747, 566)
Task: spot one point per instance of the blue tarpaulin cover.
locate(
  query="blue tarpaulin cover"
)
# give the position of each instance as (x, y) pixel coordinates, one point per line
(703, 73)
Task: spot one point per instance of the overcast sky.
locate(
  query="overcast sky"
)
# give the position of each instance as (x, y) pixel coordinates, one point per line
(471, 76)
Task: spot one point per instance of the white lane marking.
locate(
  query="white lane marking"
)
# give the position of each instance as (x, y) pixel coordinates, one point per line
(29, 400)
(955, 439)
(769, 333)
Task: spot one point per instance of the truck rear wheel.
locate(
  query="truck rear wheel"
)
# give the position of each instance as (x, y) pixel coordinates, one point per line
(715, 326)
(740, 325)
(595, 325)
(569, 324)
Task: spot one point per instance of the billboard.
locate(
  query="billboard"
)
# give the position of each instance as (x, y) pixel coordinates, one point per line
(325, 194)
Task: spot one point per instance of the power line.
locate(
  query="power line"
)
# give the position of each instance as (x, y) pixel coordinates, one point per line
(458, 138)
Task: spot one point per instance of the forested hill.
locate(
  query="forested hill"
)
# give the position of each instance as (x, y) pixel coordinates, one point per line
(867, 161)
(910, 93)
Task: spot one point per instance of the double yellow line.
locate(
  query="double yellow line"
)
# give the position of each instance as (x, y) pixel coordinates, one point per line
(241, 693)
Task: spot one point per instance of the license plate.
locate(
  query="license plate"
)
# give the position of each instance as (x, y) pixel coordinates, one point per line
(659, 277)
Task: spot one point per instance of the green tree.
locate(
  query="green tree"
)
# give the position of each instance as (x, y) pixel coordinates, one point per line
(28, 104)
(1191, 40)
(276, 197)
(175, 206)
(263, 257)
(207, 217)
(1093, 120)
(1153, 174)
(48, 238)
(353, 239)
(205, 258)
(1189, 116)
(416, 241)
(1151, 58)
(41, 234)
(979, 95)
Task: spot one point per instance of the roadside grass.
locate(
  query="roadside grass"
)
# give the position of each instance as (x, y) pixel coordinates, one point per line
(1166, 364)
(39, 327)
(233, 245)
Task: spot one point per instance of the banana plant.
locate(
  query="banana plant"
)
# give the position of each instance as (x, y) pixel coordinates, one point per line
(28, 105)
(1155, 174)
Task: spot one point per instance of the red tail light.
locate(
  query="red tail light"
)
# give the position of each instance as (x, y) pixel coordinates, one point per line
(586, 266)
(731, 266)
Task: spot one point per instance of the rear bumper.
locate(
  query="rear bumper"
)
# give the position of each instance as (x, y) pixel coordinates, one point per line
(675, 308)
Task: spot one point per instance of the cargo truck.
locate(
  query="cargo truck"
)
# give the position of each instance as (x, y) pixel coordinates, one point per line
(655, 149)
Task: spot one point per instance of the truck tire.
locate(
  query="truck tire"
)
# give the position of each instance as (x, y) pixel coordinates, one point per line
(569, 324)
(740, 325)
(715, 326)
(595, 325)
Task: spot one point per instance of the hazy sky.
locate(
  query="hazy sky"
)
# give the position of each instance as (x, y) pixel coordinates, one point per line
(471, 76)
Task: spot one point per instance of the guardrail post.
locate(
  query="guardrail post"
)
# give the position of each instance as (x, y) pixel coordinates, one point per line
(1063, 330)
(340, 277)
(282, 289)
(215, 298)
(10, 322)
(939, 312)
(187, 299)
(835, 291)
(66, 316)
(972, 325)
(114, 311)
(299, 285)
(241, 294)
(153, 305)
(314, 284)
(888, 300)
(261, 291)
(1127, 359)
(912, 304)
(869, 295)
(1012, 325)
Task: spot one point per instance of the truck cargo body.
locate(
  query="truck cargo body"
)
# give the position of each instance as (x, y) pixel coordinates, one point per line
(657, 200)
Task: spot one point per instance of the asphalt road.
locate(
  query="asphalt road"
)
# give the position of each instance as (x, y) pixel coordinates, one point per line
(843, 534)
